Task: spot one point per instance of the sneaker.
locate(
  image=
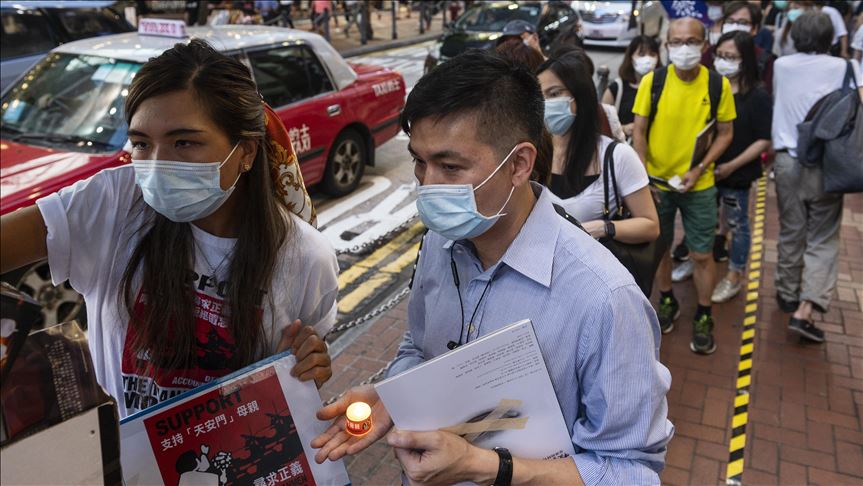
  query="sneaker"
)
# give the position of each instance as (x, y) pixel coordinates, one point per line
(806, 329)
(683, 271)
(720, 254)
(702, 335)
(725, 291)
(786, 306)
(680, 252)
(669, 311)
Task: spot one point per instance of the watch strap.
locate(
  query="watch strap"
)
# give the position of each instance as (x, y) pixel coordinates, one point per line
(504, 469)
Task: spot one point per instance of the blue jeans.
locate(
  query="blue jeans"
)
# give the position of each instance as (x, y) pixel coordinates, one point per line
(735, 214)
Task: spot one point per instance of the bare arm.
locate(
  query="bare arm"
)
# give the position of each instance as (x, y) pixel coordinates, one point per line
(607, 98)
(751, 153)
(642, 227)
(639, 137)
(22, 239)
(724, 134)
(529, 471)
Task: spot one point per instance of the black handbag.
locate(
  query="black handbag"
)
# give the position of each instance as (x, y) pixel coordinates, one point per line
(641, 259)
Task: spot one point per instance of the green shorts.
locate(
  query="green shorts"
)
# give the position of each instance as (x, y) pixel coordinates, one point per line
(699, 213)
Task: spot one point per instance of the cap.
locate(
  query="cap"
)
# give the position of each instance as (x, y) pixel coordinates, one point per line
(518, 27)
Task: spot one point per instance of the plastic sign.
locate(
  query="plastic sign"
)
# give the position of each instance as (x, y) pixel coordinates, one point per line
(162, 27)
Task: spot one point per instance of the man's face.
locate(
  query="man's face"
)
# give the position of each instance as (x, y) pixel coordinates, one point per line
(449, 151)
(531, 40)
(742, 17)
(686, 32)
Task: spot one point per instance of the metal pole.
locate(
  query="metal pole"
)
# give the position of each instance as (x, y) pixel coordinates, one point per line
(394, 7)
(364, 24)
(422, 14)
(443, 8)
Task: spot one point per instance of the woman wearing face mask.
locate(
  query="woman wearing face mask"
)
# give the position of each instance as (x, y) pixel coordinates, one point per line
(740, 164)
(571, 115)
(198, 258)
(641, 57)
(782, 44)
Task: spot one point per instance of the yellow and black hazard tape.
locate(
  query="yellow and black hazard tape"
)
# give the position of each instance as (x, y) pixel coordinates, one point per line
(734, 472)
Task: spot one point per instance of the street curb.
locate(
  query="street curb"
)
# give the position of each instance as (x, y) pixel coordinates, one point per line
(360, 51)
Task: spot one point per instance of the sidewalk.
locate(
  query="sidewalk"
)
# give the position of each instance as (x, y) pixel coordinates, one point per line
(407, 31)
(805, 401)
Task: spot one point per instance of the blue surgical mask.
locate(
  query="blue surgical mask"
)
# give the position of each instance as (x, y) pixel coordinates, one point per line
(182, 191)
(780, 4)
(450, 209)
(794, 14)
(558, 116)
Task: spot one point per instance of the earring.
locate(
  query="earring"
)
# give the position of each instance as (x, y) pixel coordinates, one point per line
(246, 167)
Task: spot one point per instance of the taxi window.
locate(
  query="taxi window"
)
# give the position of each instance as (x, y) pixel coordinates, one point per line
(81, 23)
(24, 34)
(288, 74)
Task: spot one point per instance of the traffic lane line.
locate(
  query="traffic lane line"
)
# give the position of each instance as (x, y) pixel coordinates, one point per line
(387, 275)
(361, 267)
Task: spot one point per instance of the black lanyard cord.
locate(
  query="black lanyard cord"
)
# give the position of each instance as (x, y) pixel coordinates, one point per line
(455, 280)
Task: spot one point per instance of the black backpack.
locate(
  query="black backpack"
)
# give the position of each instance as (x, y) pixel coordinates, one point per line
(714, 92)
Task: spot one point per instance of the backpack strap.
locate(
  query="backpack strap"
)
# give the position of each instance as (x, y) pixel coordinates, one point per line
(659, 76)
(714, 91)
(609, 177)
(562, 212)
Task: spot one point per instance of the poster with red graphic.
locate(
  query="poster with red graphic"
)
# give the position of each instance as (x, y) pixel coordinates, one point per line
(251, 428)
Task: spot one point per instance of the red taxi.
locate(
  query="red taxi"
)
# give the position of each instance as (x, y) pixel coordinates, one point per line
(63, 121)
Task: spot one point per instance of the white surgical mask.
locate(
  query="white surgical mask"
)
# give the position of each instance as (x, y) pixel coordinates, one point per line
(727, 68)
(643, 64)
(183, 191)
(684, 57)
(726, 28)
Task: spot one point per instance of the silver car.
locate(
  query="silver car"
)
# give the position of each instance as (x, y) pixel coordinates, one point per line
(616, 23)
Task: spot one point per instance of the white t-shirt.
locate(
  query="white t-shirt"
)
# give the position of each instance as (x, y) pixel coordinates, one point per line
(838, 22)
(92, 232)
(857, 41)
(629, 172)
(799, 81)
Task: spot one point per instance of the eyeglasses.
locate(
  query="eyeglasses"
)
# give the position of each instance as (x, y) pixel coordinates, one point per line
(742, 22)
(687, 43)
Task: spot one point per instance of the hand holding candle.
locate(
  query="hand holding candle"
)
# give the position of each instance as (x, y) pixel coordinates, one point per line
(360, 405)
(359, 419)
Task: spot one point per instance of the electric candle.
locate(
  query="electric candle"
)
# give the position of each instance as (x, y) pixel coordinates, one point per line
(359, 419)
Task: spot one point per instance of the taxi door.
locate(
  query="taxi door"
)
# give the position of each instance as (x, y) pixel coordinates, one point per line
(292, 80)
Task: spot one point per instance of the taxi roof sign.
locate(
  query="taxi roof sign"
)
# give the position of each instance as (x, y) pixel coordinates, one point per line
(162, 27)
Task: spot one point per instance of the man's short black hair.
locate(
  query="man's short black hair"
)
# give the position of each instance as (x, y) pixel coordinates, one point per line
(754, 12)
(812, 32)
(505, 98)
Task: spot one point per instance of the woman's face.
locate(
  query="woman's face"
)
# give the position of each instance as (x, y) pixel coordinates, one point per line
(728, 51)
(176, 127)
(553, 87)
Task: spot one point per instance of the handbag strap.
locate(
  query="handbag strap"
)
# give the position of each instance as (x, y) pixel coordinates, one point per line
(608, 173)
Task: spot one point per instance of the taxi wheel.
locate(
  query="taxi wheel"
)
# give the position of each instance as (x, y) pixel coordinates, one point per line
(345, 164)
(59, 304)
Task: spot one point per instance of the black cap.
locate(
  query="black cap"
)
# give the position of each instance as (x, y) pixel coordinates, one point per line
(518, 27)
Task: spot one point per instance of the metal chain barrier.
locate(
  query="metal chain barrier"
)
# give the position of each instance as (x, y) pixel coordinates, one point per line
(394, 301)
(380, 240)
(368, 381)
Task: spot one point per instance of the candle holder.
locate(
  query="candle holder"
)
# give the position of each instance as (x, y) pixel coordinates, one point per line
(358, 419)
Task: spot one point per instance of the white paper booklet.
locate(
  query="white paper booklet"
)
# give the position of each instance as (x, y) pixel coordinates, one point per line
(495, 392)
(252, 427)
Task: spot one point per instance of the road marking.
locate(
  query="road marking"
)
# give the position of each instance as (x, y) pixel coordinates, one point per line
(376, 222)
(358, 269)
(379, 185)
(386, 276)
(734, 471)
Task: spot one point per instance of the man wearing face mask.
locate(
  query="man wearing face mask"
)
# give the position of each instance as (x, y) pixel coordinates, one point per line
(498, 251)
(675, 110)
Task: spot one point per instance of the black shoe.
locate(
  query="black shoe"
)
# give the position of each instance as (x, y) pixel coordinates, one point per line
(669, 311)
(786, 306)
(806, 329)
(681, 252)
(702, 336)
(720, 254)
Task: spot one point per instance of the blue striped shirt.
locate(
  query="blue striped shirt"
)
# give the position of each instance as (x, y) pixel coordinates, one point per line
(599, 335)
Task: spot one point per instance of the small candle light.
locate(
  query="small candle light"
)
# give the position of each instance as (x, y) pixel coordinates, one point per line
(359, 419)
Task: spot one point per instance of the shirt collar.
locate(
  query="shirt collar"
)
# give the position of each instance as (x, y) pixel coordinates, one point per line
(531, 253)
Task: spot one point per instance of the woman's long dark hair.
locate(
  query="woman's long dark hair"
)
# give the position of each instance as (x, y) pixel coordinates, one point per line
(748, 77)
(584, 132)
(641, 43)
(165, 253)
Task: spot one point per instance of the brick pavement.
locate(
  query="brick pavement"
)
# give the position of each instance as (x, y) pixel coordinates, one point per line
(806, 400)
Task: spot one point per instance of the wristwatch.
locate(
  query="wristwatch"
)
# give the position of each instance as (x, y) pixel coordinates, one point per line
(609, 230)
(504, 469)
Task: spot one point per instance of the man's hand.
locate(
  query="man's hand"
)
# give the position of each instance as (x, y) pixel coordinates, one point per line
(313, 360)
(432, 458)
(335, 443)
(722, 171)
(690, 178)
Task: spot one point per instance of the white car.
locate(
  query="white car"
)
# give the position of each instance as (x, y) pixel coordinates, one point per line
(616, 23)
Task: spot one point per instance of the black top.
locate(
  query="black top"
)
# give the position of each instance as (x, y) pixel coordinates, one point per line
(626, 101)
(753, 122)
(560, 187)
